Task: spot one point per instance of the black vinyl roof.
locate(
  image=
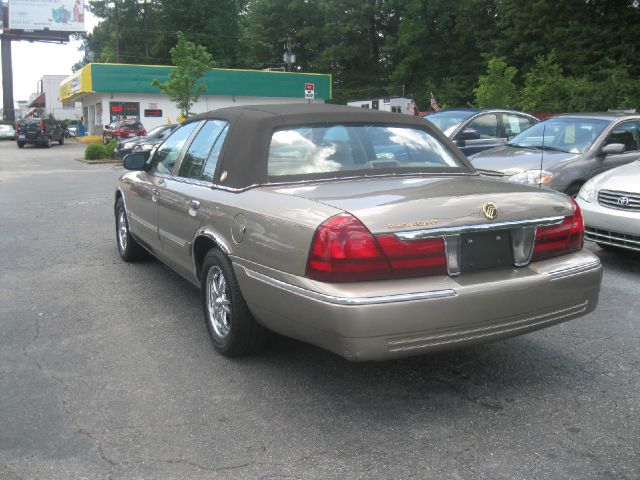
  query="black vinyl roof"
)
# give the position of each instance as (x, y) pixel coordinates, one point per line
(244, 155)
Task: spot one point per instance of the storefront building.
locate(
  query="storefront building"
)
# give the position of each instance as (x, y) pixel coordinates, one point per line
(109, 92)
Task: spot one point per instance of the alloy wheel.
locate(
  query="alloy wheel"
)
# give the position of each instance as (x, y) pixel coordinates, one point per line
(218, 302)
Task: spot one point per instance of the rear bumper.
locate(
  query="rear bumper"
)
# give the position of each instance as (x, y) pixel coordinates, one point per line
(424, 315)
(619, 228)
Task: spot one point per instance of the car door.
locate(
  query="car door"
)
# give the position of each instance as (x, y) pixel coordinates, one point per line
(480, 133)
(145, 189)
(625, 133)
(180, 213)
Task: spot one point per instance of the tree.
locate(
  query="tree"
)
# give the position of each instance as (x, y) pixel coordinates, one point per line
(496, 89)
(545, 87)
(191, 62)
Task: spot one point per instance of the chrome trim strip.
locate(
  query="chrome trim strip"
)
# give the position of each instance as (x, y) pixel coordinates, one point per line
(495, 330)
(142, 222)
(433, 232)
(402, 297)
(568, 272)
(206, 232)
(172, 238)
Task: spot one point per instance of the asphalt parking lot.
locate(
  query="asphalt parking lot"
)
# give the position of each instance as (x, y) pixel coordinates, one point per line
(106, 371)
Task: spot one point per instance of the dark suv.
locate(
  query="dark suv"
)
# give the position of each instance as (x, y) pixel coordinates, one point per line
(120, 129)
(39, 131)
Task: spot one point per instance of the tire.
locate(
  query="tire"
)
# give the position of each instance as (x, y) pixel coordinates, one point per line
(61, 141)
(105, 140)
(231, 328)
(128, 248)
(20, 144)
(48, 142)
(573, 190)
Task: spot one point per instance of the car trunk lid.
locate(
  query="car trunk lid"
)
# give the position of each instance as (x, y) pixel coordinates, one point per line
(420, 203)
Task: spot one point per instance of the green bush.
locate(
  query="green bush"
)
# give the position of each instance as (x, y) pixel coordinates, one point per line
(95, 151)
(110, 147)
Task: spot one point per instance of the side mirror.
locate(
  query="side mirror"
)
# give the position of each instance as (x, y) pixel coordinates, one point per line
(460, 142)
(612, 149)
(135, 161)
(469, 134)
(106, 126)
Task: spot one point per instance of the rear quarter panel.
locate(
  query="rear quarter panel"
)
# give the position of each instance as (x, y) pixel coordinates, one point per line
(278, 228)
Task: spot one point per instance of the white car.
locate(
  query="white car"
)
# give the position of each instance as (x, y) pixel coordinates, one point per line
(7, 132)
(610, 204)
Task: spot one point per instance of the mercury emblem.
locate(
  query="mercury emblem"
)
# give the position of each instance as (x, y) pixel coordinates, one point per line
(490, 210)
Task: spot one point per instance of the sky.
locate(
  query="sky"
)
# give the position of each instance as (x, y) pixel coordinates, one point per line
(31, 61)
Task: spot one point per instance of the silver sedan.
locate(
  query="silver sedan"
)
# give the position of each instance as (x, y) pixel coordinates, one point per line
(610, 203)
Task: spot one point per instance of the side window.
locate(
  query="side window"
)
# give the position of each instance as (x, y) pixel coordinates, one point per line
(486, 126)
(627, 134)
(198, 151)
(212, 161)
(165, 157)
(515, 124)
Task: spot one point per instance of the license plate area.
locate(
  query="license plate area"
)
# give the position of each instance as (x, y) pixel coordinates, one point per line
(482, 250)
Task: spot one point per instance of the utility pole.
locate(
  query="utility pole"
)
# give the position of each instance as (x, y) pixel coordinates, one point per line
(117, 30)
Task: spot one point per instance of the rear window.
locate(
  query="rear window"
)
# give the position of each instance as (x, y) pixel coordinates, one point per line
(131, 124)
(347, 150)
(30, 121)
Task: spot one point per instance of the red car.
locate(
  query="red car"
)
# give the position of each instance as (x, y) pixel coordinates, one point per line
(120, 129)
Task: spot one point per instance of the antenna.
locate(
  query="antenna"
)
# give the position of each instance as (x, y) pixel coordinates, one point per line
(541, 157)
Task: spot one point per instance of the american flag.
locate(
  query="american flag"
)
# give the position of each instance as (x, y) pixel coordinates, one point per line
(413, 108)
(434, 104)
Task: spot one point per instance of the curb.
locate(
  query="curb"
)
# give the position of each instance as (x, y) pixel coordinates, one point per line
(97, 162)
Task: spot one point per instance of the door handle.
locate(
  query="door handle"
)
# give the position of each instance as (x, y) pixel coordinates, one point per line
(155, 193)
(194, 204)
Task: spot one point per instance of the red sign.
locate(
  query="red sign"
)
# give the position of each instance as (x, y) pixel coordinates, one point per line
(309, 86)
(116, 108)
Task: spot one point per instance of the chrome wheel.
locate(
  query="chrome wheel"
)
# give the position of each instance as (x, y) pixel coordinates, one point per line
(122, 230)
(218, 302)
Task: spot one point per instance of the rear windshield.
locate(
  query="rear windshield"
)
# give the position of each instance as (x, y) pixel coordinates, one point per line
(30, 121)
(347, 150)
(131, 124)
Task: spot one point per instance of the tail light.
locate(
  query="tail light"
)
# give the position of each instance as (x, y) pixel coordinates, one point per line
(344, 250)
(415, 258)
(555, 240)
(41, 126)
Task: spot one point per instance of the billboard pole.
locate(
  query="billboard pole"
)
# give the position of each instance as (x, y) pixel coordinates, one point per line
(8, 108)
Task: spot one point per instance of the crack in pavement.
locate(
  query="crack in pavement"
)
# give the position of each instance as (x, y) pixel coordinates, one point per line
(65, 400)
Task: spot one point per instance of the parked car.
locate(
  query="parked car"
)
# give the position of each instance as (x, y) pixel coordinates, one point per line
(364, 232)
(7, 132)
(120, 129)
(611, 206)
(146, 142)
(72, 131)
(474, 130)
(39, 131)
(565, 151)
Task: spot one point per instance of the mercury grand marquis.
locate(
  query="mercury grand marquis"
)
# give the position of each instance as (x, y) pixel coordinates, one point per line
(366, 233)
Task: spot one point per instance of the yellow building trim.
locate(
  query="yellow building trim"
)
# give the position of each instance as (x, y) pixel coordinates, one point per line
(76, 85)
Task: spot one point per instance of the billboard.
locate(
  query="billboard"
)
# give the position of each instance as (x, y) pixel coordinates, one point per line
(52, 15)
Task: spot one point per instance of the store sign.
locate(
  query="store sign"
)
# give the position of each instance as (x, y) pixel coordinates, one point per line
(309, 91)
(152, 112)
(124, 110)
(38, 15)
